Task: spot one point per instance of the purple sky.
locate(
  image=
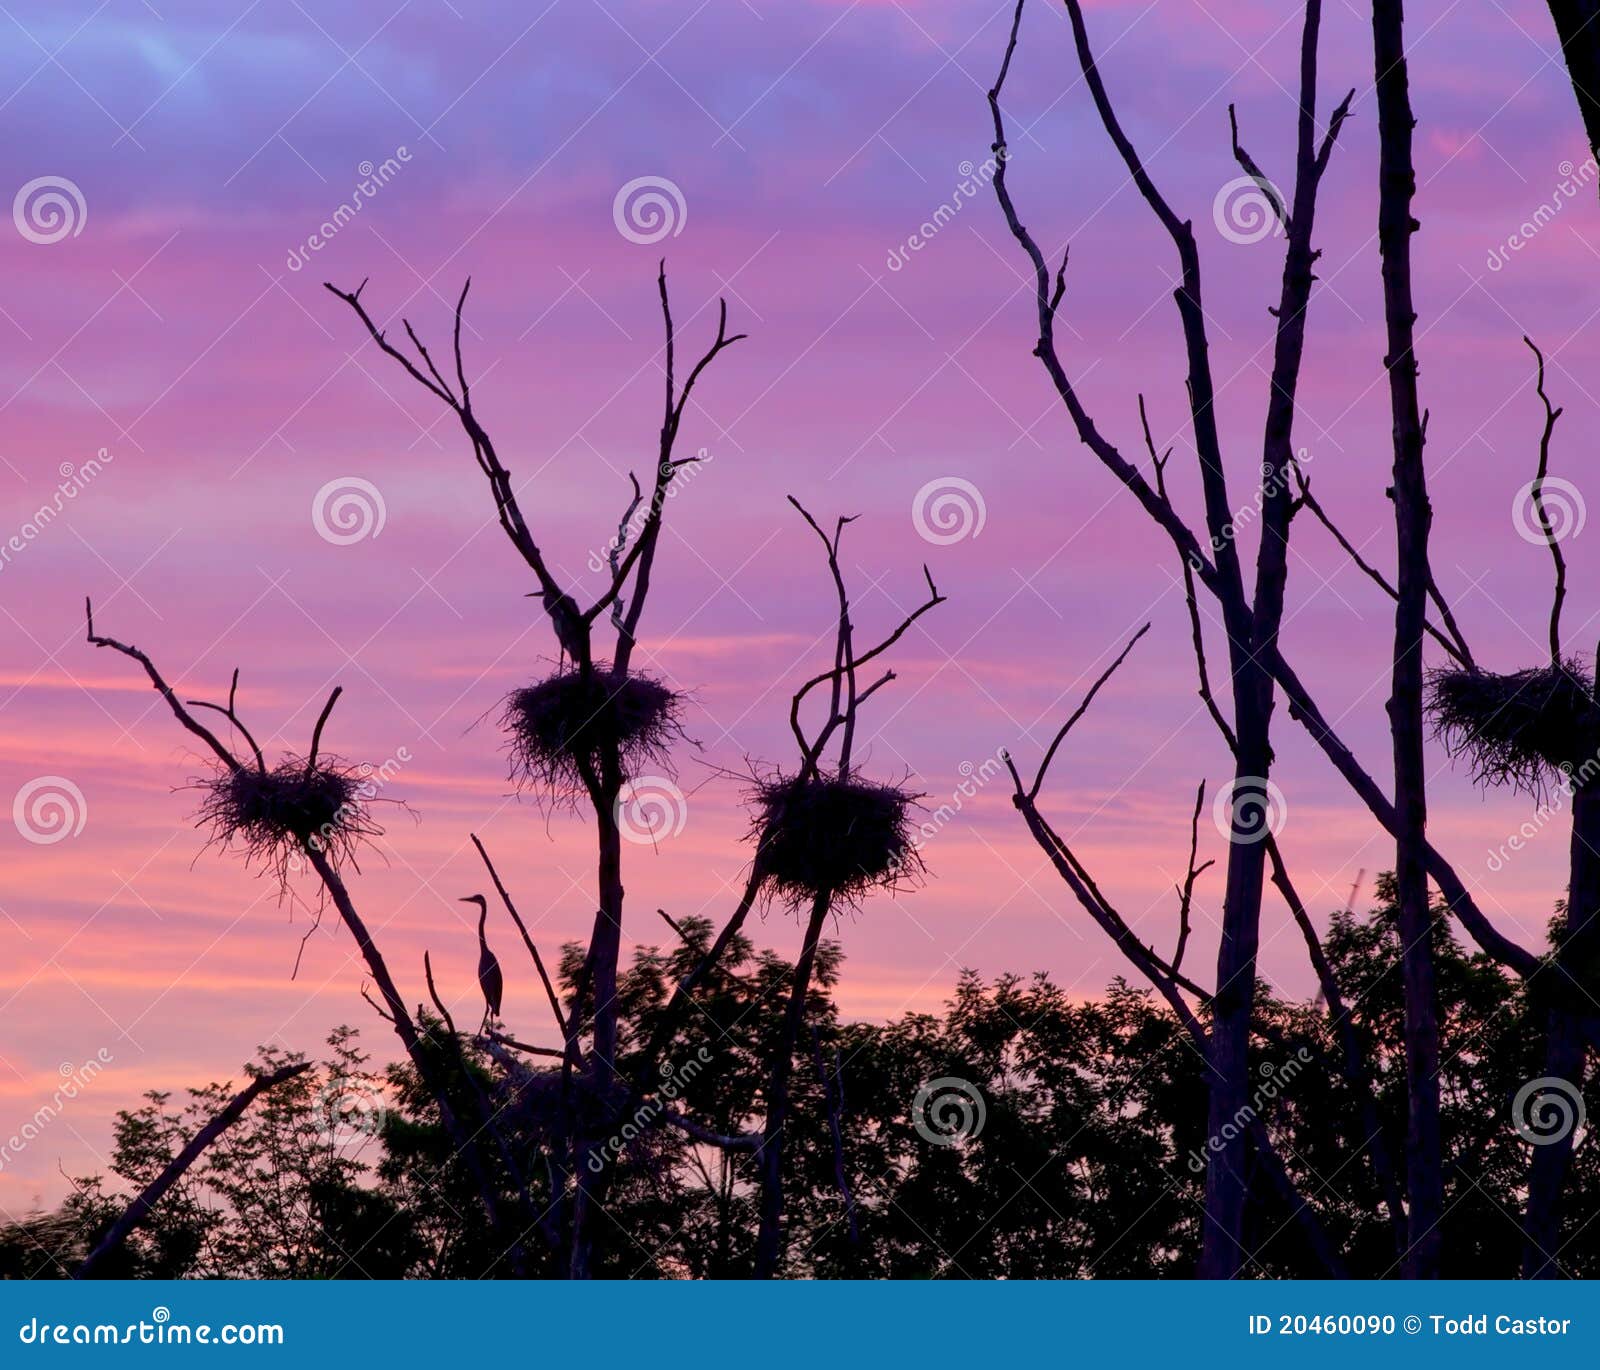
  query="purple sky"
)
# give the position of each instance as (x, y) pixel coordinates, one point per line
(809, 142)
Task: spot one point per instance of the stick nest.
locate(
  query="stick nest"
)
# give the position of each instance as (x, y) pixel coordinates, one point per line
(837, 838)
(567, 722)
(1519, 729)
(277, 816)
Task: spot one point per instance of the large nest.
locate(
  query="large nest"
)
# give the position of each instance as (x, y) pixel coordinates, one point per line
(277, 816)
(1519, 729)
(823, 836)
(567, 722)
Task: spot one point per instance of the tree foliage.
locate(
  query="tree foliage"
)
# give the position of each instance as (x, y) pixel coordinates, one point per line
(1075, 1156)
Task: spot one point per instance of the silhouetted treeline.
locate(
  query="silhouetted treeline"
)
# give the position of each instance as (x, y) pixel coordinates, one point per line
(1073, 1150)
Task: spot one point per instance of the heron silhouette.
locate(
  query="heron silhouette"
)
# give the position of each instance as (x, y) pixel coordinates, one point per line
(490, 981)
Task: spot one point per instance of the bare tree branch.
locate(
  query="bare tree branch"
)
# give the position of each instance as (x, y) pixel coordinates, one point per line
(1545, 525)
(140, 1209)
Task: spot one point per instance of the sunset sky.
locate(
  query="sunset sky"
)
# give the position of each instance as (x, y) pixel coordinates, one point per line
(180, 324)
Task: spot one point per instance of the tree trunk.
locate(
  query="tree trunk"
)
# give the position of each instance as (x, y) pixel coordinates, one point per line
(1577, 960)
(1396, 186)
(1578, 27)
(1227, 1180)
(605, 950)
(769, 1240)
(1222, 1251)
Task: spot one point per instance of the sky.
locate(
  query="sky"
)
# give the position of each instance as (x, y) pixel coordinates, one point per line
(239, 480)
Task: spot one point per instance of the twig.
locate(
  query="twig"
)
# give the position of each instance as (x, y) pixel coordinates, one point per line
(1083, 708)
(833, 1091)
(1268, 190)
(1194, 872)
(1545, 525)
(567, 1030)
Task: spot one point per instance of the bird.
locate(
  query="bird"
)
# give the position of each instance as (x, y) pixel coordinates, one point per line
(490, 981)
(567, 620)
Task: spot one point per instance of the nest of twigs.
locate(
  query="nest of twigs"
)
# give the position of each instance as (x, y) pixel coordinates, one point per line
(1519, 729)
(822, 836)
(567, 722)
(276, 816)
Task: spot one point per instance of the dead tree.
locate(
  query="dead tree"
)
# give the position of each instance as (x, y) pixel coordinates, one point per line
(581, 733)
(1166, 974)
(825, 839)
(1353, 1058)
(311, 809)
(828, 839)
(1397, 184)
(823, 836)
(1251, 618)
(1537, 731)
(144, 1204)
